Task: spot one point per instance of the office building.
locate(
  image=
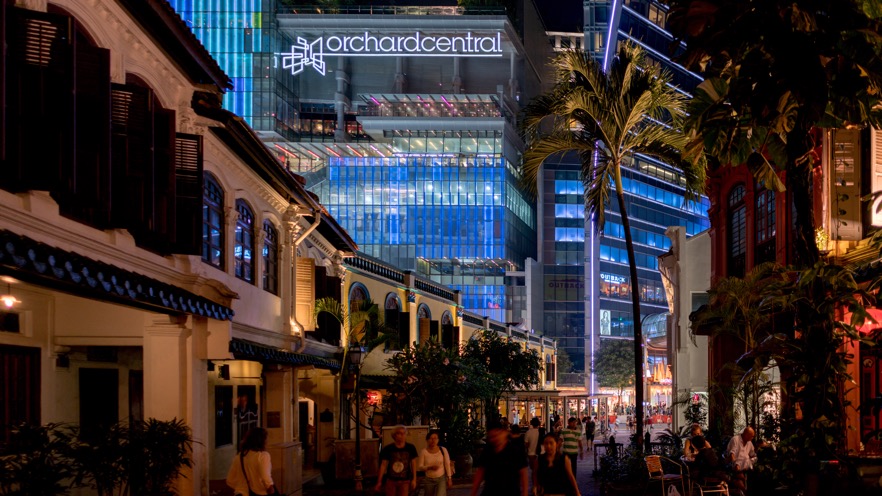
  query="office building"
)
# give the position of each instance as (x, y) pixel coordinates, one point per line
(584, 277)
(402, 119)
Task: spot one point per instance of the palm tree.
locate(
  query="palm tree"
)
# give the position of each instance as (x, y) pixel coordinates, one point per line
(607, 118)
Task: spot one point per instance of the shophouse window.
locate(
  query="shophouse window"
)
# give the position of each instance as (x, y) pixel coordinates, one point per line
(244, 249)
(212, 222)
(737, 224)
(765, 227)
(270, 258)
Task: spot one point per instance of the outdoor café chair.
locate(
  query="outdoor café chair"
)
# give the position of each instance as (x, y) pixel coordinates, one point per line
(654, 464)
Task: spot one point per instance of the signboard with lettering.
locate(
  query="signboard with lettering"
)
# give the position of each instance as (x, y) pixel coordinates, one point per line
(310, 53)
(564, 287)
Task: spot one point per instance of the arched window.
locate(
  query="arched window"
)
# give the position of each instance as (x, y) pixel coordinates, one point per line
(212, 222)
(765, 227)
(737, 223)
(392, 302)
(270, 258)
(244, 250)
(423, 312)
(446, 318)
(358, 294)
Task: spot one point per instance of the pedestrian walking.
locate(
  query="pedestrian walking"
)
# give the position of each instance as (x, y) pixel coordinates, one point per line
(502, 466)
(590, 429)
(251, 470)
(398, 463)
(555, 476)
(572, 442)
(435, 461)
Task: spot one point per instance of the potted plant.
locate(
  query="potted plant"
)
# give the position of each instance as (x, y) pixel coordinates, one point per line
(462, 438)
(37, 460)
(157, 451)
(623, 473)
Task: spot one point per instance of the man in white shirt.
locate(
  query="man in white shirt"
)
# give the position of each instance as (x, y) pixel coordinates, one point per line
(741, 454)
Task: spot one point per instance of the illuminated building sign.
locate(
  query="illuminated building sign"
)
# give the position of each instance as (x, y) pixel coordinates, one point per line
(305, 53)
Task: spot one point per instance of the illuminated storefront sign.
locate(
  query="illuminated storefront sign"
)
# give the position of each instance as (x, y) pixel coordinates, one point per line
(306, 53)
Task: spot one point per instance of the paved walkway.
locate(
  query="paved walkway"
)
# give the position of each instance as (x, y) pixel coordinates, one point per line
(588, 485)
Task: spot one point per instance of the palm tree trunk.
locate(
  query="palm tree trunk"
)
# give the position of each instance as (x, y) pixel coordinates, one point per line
(635, 305)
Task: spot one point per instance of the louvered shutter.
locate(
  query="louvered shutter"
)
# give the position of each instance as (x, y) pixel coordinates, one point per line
(434, 330)
(845, 186)
(447, 336)
(39, 99)
(131, 154)
(90, 198)
(424, 330)
(159, 204)
(875, 205)
(188, 194)
(304, 295)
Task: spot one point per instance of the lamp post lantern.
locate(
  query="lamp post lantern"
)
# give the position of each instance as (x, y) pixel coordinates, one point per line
(356, 357)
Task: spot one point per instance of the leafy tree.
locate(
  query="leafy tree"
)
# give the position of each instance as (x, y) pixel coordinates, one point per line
(813, 424)
(436, 384)
(500, 365)
(607, 118)
(739, 313)
(612, 365)
(564, 364)
(775, 70)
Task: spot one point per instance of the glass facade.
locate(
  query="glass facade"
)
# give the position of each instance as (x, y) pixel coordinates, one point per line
(440, 199)
(458, 220)
(654, 193)
(242, 37)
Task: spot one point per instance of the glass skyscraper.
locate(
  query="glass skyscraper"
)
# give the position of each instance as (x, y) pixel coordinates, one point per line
(585, 278)
(402, 119)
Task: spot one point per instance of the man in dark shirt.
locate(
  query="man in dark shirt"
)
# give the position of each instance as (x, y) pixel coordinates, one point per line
(398, 464)
(502, 466)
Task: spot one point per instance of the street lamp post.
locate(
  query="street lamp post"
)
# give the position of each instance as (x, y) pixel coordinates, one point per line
(356, 357)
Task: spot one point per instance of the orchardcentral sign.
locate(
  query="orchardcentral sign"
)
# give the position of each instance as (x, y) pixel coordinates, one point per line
(311, 53)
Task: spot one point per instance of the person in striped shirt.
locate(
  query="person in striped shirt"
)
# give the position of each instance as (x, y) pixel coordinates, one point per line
(572, 442)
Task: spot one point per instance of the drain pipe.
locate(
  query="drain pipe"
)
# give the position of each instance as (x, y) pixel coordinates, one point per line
(293, 216)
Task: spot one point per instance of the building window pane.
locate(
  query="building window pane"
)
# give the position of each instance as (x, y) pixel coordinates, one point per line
(270, 258)
(737, 232)
(213, 223)
(244, 248)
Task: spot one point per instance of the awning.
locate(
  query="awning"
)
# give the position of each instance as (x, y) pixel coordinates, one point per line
(43, 265)
(248, 350)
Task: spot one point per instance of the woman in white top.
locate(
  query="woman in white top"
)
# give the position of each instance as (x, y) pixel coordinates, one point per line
(251, 471)
(435, 461)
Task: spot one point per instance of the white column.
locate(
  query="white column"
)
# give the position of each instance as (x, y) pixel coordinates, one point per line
(176, 386)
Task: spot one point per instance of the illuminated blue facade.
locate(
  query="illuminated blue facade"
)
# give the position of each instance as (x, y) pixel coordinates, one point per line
(421, 173)
(579, 316)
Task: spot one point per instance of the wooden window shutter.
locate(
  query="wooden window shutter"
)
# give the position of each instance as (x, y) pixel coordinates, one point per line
(39, 96)
(447, 336)
(403, 330)
(131, 154)
(188, 194)
(424, 330)
(159, 206)
(90, 196)
(434, 330)
(304, 295)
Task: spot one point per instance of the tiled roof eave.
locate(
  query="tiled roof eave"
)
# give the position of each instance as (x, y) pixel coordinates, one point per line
(44, 265)
(248, 350)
